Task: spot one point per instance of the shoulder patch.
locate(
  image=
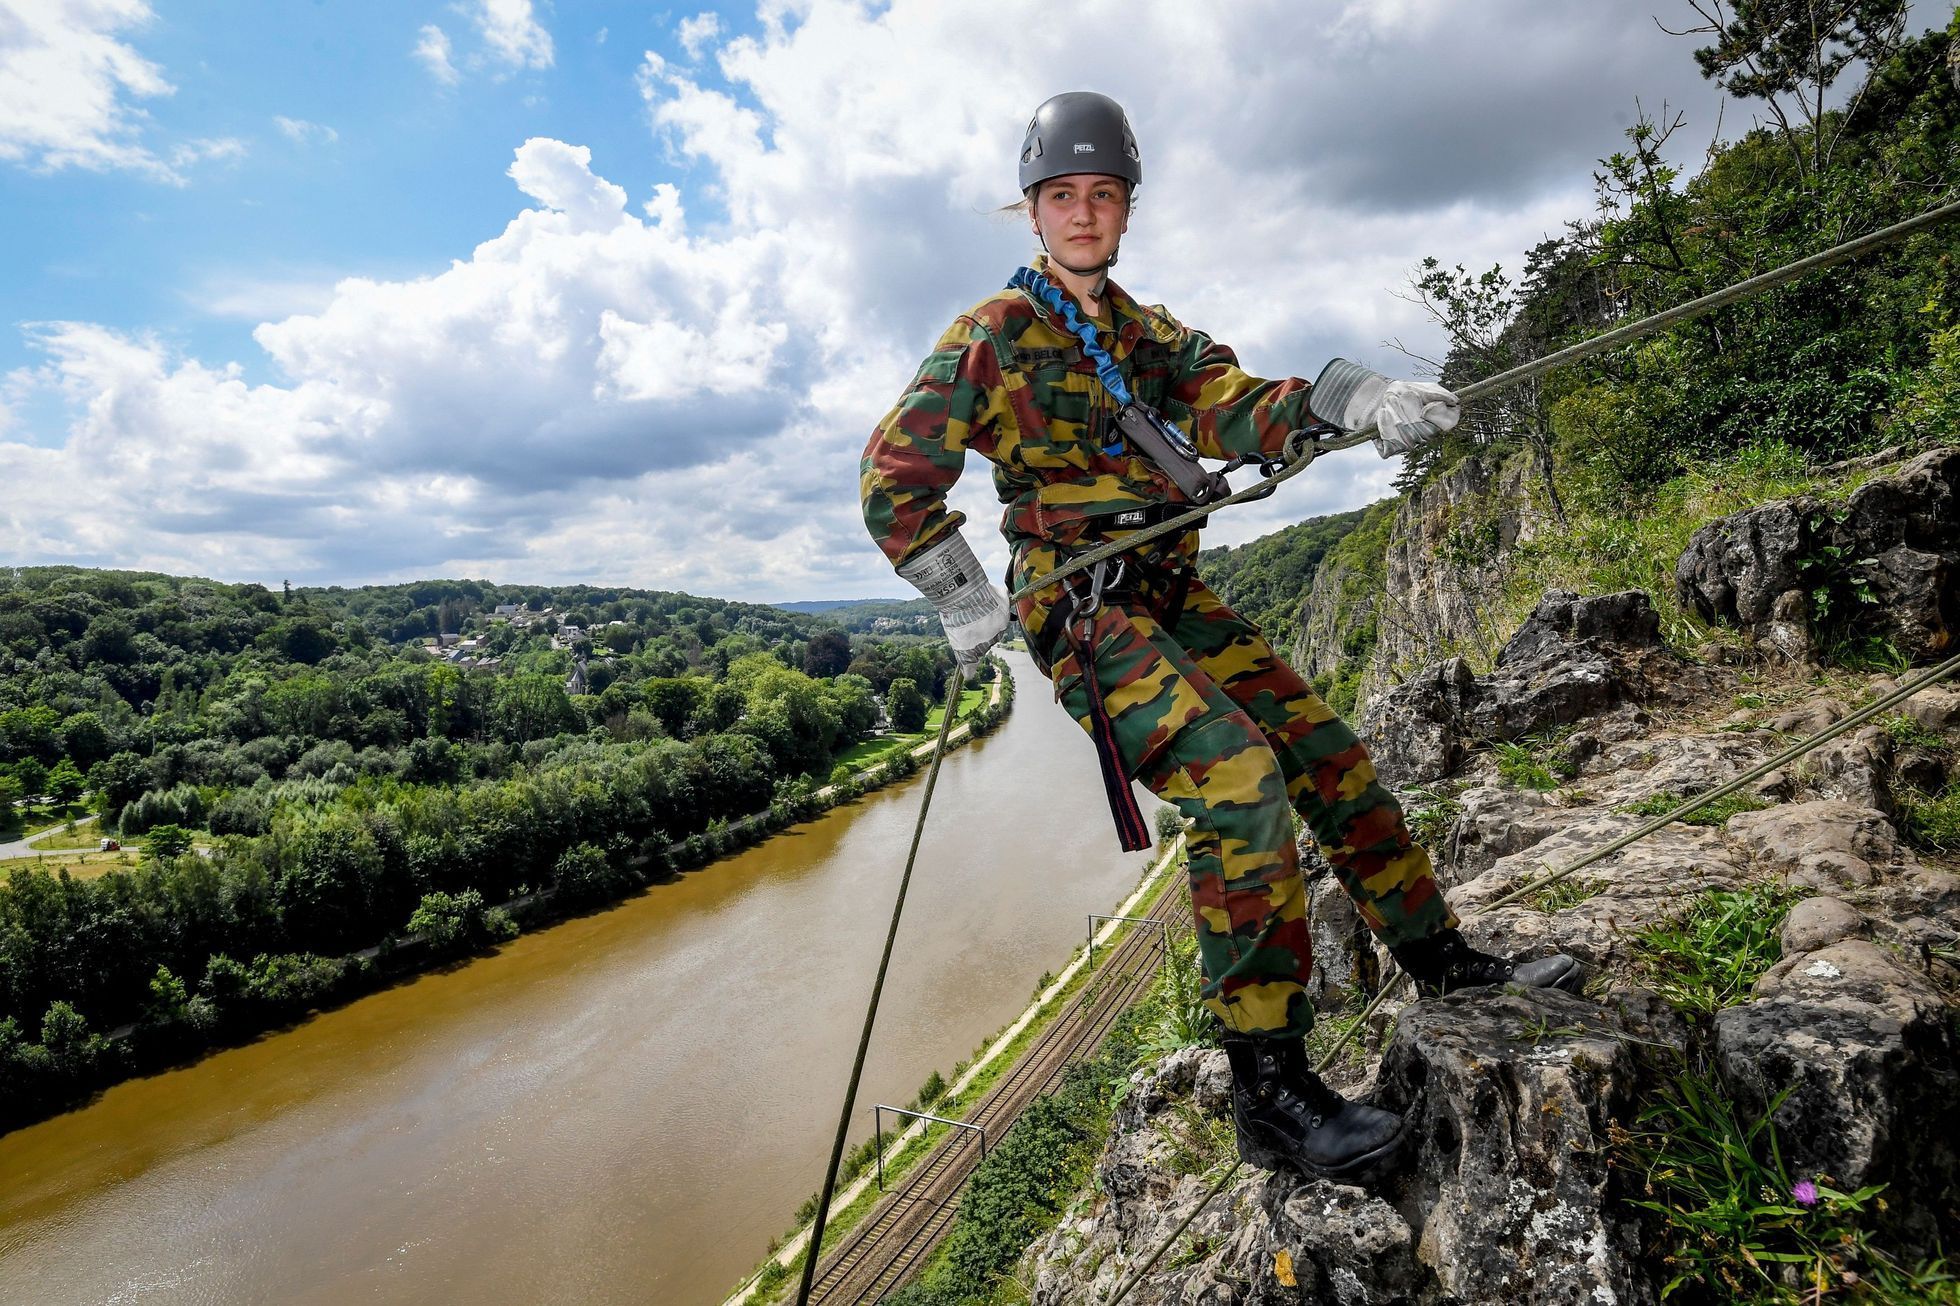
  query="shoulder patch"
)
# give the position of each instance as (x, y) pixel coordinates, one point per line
(1162, 325)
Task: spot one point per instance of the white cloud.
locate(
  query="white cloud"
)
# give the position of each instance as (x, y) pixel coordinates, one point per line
(260, 298)
(696, 32)
(302, 131)
(512, 33)
(67, 82)
(186, 153)
(433, 50)
(676, 392)
(510, 36)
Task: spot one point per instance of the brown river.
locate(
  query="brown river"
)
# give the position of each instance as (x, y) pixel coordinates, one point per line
(620, 1108)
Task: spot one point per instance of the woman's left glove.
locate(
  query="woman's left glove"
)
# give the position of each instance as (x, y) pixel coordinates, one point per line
(1406, 414)
(972, 609)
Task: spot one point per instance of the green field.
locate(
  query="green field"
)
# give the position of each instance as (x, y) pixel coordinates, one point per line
(873, 751)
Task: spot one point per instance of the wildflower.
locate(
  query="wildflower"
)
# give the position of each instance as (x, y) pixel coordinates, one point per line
(1804, 1193)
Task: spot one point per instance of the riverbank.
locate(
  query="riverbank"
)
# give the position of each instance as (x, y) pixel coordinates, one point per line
(772, 1280)
(621, 1108)
(277, 994)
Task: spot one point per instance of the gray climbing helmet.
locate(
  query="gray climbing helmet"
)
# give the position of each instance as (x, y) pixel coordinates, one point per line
(1079, 131)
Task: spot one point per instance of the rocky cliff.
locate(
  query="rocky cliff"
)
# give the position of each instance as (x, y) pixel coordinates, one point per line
(1759, 1094)
(1427, 582)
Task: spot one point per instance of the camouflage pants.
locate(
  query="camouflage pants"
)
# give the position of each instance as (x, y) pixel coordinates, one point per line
(1210, 719)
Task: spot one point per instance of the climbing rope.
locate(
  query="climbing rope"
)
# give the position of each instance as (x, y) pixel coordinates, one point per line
(951, 710)
(1300, 457)
(1299, 454)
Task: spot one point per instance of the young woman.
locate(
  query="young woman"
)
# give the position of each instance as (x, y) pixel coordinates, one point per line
(1091, 408)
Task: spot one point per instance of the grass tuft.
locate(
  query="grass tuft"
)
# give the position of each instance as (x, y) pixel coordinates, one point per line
(1716, 813)
(1734, 1221)
(1713, 954)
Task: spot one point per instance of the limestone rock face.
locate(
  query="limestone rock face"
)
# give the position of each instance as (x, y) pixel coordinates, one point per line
(1897, 536)
(1573, 658)
(1515, 1099)
(1504, 1193)
(1864, 1047)
(1448, 552)
(1511, 1097)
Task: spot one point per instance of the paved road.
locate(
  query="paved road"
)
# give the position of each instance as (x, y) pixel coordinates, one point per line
(25, 847)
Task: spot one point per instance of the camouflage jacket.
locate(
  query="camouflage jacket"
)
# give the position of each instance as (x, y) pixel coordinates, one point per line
(1007, 381)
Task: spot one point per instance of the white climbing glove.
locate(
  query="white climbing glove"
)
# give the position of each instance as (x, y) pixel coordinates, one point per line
(972, 609)
(1406, 414)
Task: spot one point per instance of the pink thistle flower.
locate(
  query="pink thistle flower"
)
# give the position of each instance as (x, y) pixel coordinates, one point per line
(1804, 1193)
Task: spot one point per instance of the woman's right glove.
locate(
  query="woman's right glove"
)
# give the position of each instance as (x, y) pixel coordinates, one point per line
(1406, 414)
(972, 609)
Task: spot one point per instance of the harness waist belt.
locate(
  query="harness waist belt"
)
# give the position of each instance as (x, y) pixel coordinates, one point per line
(1147, 514)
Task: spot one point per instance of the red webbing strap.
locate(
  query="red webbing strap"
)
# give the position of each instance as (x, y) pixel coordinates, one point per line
(1131, 830)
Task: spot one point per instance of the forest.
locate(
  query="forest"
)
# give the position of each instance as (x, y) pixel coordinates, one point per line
(316, 773)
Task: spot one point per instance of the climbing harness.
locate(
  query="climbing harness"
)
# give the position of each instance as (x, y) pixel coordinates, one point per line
(1302, 447)
(1161, 444)
(1151, 435)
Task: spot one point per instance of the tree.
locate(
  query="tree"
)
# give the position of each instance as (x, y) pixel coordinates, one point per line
(72, 1049)
(303, 637)
(906, 706)
(533, 707)
(164, 842)
(65, 783)
(449, 922)
(674, 699)
(117, 782)
(32, 778)
(827, 654)
(28, 732)
(169, 999)
(85, 738)
(1779, 51)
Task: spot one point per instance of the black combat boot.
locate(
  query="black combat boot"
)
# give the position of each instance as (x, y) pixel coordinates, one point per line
(1444, 963)
(1287, 1118)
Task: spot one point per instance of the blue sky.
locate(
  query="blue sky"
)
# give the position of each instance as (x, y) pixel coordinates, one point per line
(356, 291)
(413, 176)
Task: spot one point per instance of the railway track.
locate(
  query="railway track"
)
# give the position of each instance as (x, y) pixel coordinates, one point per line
(892, 1243)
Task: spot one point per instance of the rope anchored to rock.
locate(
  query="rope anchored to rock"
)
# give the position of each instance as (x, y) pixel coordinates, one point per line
(1301, 449)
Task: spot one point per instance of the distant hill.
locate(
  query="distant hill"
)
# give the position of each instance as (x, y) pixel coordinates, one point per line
(827, 605)
(1265, 580)
(879, 616)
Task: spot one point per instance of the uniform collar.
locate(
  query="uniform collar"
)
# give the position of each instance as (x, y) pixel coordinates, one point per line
(1124, 313)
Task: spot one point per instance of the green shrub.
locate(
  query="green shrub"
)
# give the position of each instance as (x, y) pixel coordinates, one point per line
(1734, 1222)
(1432, 819)
(1519, 765)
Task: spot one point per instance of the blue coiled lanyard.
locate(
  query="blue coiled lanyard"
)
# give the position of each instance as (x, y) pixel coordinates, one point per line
(1062, 306)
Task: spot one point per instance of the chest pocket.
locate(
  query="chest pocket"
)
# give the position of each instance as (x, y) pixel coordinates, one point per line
(1149, 371)
(1063, 393)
